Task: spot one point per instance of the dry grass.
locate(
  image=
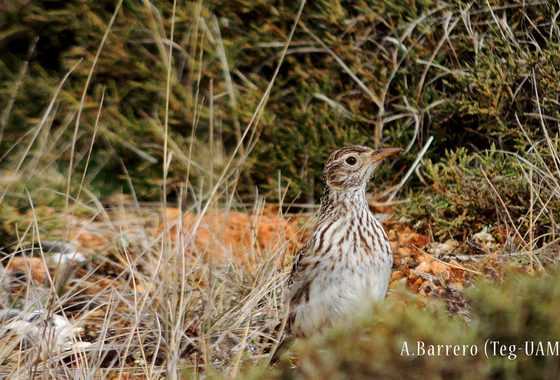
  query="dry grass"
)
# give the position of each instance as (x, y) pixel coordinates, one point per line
(146, 302)
(145, 306)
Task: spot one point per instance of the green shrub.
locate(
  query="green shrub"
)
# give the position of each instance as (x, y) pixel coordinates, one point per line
(522, 309)
(458, 71)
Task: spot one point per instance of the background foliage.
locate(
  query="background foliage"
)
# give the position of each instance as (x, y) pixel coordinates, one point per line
(371, 72)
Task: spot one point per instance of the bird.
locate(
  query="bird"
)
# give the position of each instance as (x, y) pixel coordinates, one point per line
(347, 261)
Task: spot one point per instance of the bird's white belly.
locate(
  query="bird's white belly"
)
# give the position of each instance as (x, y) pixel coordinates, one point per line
(342, 294)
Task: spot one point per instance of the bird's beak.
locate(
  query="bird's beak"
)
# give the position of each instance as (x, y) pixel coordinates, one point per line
(381, 154)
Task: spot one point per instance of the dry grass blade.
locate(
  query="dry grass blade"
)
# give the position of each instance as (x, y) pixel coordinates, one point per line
(40, 126)
(83, 98)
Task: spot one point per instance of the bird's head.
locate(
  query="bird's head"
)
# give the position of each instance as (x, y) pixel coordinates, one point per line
(352, 166)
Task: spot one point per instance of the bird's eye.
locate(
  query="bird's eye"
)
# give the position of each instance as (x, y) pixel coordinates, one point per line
(351, 160)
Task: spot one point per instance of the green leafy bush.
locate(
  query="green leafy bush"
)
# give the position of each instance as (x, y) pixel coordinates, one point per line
(372, 72)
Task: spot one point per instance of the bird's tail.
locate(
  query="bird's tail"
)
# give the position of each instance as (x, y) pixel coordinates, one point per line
(286, 339)
(281, 348)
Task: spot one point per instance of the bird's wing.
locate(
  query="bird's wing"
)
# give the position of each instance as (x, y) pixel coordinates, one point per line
(295, 285)
(296, 265)
(300, 278)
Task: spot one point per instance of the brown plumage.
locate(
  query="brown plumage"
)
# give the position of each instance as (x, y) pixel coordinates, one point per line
(346, 264)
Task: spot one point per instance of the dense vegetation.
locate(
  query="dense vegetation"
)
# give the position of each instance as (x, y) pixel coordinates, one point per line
(380, 73)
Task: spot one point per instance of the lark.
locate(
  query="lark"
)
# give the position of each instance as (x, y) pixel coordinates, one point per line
(346, 263)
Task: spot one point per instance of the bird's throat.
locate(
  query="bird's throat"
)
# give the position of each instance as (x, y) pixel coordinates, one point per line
(336, 203)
